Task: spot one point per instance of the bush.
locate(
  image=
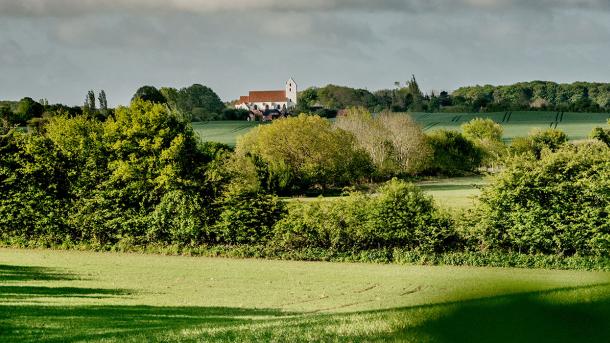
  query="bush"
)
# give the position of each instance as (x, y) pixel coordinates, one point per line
(537, 141)
(487, 136)
(559, 204)
(300, 153)
(247, 217)
(453, 154)
(400, 216)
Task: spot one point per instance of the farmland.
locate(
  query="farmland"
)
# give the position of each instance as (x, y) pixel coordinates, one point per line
(49, 296)
(575, 125)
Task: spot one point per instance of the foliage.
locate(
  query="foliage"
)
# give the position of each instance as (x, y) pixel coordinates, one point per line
(26, 110)
(140, 175)
(453, 154)
(300, 153)
(149, 93)
(247, 217)
(487, 136)
(601, 134)
(400, 216)
(559, 204)
(199, 103)
(538, 141)
(394, 142)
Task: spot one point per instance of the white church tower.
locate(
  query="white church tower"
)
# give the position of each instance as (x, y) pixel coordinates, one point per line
(291, 92)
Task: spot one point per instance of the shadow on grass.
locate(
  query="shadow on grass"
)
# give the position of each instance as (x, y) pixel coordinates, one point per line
(121, 323)
(26, 273)
(25, 292)
(572, 314)
(576, 314)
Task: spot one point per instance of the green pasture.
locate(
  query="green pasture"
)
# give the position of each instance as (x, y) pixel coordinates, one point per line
(450, 193)
(516, 124)
(225, 132)
(60, 296)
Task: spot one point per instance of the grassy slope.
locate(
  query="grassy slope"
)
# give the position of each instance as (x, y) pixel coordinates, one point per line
(516, 124)
(80, 296)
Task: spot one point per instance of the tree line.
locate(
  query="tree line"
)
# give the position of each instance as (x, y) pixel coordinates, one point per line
(408, 97)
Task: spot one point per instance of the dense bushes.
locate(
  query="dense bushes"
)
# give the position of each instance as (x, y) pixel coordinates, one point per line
(141, 178)
(559, 204)
(400, 216)
(141, 175)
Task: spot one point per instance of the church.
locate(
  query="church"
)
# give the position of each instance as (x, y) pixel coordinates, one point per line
(277, 100)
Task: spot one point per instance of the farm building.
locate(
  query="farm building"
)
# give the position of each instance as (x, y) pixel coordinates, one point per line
(268, 103)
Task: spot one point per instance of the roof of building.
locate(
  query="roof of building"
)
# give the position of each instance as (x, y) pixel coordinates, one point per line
(264, 96)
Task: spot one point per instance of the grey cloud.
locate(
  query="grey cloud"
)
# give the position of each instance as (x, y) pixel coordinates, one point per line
(67, 8)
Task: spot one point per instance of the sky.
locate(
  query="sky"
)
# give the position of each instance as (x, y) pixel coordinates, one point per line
(60, 49)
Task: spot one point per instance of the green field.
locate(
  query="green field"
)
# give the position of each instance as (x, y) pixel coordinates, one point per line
(516, 124)
(58, 296)
(450, 193)
(225, 132)
(575, 125)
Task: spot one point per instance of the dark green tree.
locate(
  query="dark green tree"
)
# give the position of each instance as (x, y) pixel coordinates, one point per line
(149, 93)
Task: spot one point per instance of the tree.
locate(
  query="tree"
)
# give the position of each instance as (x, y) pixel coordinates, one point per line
(299, 153)
(394, 142)
(149, 93)
(6, 116)
(90, 101)
(538, 141)
(487, 136)
(199, 102)
(102, 101)
(27, 109)
(453, 154)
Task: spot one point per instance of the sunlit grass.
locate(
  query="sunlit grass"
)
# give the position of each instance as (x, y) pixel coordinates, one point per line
(81, 296)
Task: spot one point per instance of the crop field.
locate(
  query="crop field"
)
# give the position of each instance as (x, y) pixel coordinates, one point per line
(575, 125)
(517, 124)
(67, 296)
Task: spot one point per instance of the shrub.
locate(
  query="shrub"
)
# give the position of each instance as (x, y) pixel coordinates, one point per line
(559, 204)
(453, 154)
(400, 216)
(487, 136)
(537, 141)
(299, 153)
(601, 134)
(247, 217)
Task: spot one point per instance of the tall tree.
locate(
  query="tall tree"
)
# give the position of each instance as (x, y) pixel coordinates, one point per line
(91, 100)
(102, 100)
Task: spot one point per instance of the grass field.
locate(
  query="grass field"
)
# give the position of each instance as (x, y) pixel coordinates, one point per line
(58, 296)
(450, 193)
(576, 125)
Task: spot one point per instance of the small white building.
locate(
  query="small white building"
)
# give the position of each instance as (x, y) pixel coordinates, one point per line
(280, 100)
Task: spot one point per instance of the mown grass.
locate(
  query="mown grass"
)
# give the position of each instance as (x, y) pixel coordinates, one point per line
(59, 296)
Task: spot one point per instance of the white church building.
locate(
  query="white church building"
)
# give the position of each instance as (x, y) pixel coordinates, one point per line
(279, 100)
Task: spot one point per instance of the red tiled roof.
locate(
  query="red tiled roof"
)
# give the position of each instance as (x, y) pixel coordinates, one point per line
(267, 96)
(243, 99)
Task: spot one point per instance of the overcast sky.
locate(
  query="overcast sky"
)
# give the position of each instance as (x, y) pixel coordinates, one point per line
(59, 49)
